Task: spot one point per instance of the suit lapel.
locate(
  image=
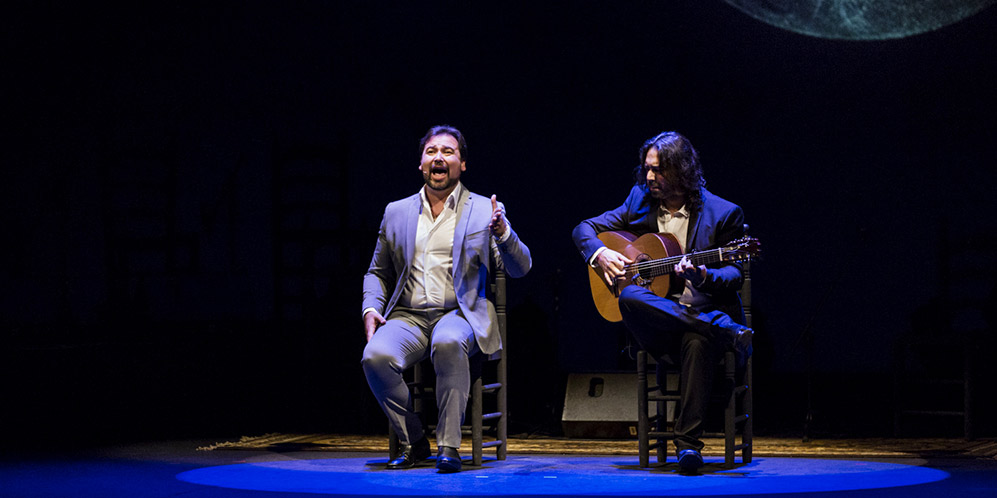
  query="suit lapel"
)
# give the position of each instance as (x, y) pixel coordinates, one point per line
(699, 223)
(463, 215)
(651, 217)
(693, 229)
(412, 227)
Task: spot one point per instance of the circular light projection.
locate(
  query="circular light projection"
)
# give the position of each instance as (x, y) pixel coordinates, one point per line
(562, 476)
(860, 19)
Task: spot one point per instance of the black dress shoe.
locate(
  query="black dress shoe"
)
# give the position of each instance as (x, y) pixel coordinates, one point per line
(690, 460)
(448, 460)
(742, 344)
(411, 455)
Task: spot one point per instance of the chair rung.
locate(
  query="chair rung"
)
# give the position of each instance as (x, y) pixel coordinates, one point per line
(669, 397)
(654, 418)
(492, 444)
(491, 387)
(657, 444)
(489, 416)
(660, 435)
(739, 447)
(740, 418)
(740, 389)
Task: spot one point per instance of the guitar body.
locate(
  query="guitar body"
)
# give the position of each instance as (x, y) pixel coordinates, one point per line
(649, 246)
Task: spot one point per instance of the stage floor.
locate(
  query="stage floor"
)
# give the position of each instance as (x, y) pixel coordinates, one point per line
(179, 468)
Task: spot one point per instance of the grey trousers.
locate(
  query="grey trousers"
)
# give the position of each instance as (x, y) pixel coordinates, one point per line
(406, 339)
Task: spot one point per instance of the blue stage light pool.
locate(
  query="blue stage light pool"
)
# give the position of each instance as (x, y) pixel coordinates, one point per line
(561, 475)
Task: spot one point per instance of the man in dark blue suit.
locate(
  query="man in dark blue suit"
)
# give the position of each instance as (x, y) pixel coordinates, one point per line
(697, 320)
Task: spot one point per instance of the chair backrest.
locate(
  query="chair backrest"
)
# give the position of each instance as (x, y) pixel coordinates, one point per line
(745, 291)
(499, 300)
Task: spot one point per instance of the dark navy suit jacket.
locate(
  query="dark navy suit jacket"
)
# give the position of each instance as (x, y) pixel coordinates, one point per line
(716, 224)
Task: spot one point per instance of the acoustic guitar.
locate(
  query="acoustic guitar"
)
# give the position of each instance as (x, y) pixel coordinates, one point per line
(655, 255)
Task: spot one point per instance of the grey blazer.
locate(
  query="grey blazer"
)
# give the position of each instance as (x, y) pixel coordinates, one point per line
(474, 249)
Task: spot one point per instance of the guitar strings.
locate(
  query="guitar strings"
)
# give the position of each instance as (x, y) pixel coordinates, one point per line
(664, 266)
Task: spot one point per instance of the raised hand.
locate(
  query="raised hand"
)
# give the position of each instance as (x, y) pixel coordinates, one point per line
(497, 225)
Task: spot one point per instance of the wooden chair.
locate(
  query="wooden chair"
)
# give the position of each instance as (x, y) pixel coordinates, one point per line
(421, 385)
(735, 393)
(940, 364)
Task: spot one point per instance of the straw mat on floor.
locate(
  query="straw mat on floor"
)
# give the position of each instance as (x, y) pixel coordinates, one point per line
(763, 446)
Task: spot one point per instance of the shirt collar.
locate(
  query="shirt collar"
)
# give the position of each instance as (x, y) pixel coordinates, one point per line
(451, 201)
(681, 213)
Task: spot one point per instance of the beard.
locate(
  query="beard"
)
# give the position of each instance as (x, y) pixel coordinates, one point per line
(663, 193)
(441, 185)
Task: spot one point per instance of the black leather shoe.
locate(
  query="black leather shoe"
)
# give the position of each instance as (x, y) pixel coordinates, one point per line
(411, 455)
(742, 344)
(448, 460)
(690, 460)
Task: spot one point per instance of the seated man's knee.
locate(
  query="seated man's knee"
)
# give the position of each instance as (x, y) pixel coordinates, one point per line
(632, 295)
(695, 341)
(695, 344)
(448, 351)
(375, 359)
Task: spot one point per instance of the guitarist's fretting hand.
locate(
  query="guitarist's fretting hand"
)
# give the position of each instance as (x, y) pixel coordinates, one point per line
(610, 264)
(694, 274)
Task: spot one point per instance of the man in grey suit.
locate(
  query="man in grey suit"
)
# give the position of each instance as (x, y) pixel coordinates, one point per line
(424, 295)
(704, 315)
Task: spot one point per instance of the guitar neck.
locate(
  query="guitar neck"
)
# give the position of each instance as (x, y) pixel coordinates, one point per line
(664, 266)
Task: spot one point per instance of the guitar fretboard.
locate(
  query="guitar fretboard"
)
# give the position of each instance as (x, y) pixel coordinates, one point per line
(664, 266)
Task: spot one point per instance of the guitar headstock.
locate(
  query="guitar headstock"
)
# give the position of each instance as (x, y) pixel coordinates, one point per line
(742, 249)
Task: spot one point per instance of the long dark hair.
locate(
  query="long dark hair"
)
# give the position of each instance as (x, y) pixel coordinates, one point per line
(445, 130)
(677, 158)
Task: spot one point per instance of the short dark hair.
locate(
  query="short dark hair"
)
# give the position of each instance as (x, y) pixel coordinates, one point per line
(676, 155)
(445, 130)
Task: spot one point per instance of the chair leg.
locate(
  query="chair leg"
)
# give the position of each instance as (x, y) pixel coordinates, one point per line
(747, 433)
(733, 394)
(475, 411)
(476, 422)
(660, 425)
(503, 425)
(642, 419)
(731, 411)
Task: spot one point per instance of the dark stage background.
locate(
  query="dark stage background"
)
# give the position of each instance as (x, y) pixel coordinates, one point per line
(192, 194)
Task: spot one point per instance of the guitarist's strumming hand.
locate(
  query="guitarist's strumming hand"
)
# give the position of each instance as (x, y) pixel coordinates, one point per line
(497, 225)
(610, 263)
(694, 274)
(371, 321)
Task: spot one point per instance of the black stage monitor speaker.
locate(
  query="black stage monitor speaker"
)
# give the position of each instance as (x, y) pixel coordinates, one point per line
(601, 405)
